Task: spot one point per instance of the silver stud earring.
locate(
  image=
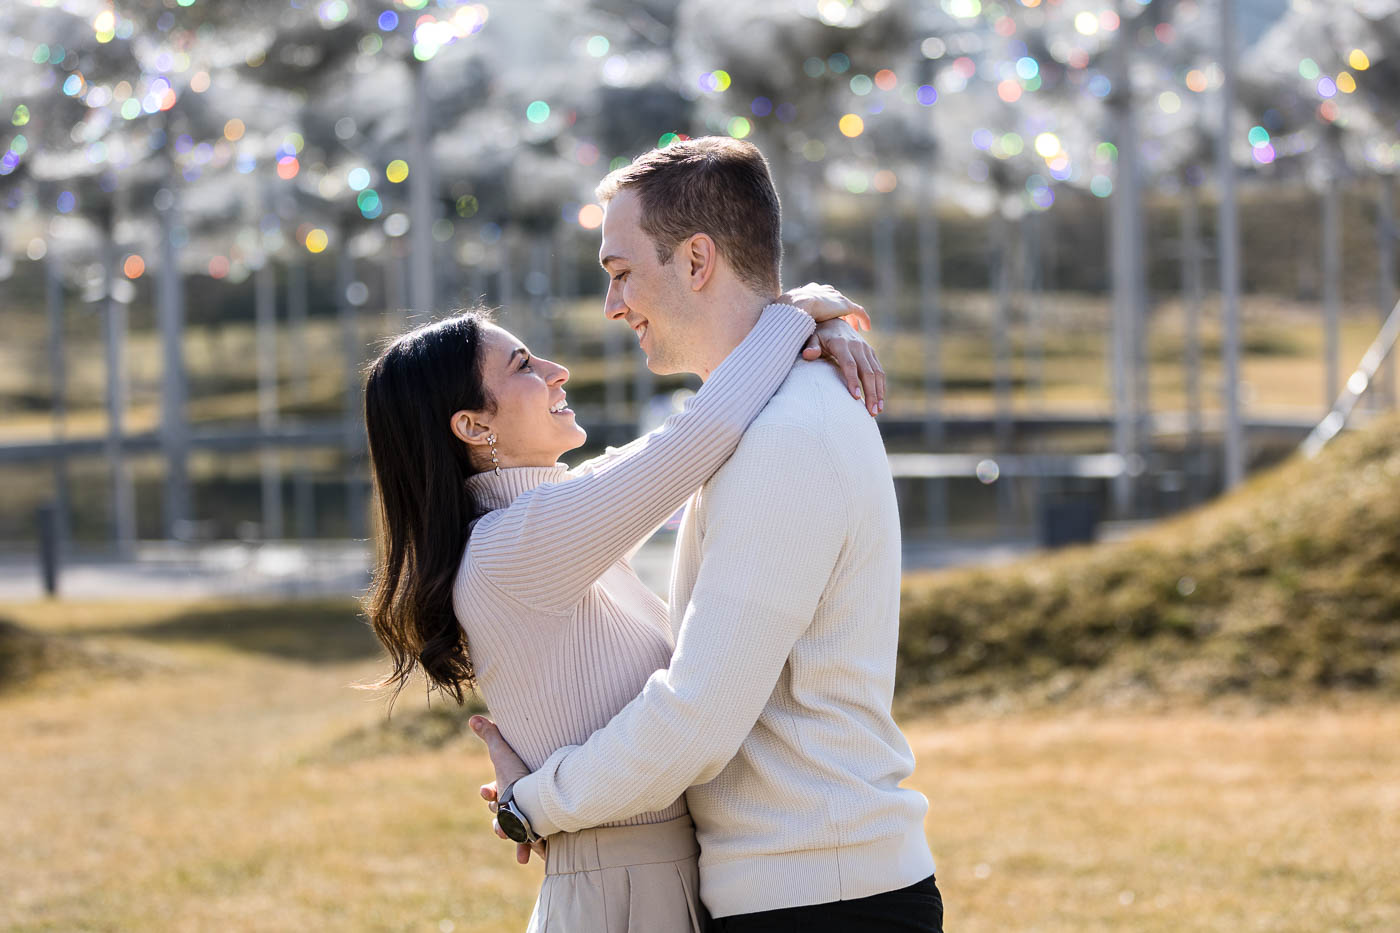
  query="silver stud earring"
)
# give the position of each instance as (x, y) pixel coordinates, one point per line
(494, 462)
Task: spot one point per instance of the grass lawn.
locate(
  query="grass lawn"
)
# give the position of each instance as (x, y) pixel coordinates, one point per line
(208, 767)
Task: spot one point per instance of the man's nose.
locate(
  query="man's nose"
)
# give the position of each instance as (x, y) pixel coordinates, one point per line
(613, 305)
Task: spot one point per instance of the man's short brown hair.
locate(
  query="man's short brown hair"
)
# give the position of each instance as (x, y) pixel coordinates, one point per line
(712, 185)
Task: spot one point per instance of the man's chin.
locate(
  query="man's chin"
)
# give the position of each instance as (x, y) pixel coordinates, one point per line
(662, 366)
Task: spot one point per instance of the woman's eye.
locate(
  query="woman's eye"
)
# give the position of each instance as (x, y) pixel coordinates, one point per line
(619, 277)
(525, 365)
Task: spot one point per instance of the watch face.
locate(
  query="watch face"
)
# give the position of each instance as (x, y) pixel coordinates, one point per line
(511, 825)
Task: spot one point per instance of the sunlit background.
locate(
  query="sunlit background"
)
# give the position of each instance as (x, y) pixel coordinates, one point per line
(1117, 254)
(1132, 268)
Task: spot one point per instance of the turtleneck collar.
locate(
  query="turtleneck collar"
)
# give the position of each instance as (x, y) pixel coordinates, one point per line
(496, 492)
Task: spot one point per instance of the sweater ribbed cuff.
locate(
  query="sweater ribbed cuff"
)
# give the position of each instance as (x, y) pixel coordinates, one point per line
(527, 798)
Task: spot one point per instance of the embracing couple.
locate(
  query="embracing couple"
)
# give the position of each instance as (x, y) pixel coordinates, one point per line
(727, 762)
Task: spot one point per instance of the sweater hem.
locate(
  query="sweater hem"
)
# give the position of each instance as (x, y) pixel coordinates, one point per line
(773, 881)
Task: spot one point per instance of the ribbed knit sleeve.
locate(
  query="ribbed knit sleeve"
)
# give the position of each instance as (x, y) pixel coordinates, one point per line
(551, 543)
(609, 458)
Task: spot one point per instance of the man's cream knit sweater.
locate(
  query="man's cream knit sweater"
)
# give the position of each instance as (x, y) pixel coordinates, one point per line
(775, 710)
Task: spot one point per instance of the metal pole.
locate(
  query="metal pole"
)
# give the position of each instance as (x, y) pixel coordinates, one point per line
(114, 320)
(566, 289)
(1032, 279)
(538, 284)
(642, 388)
(615, 388)
(1192, 279)
(886, 313)
(1001, 335)
(1356, 385)
(303, 492)
(395, 289)
(47, 517)
(1124, 220)
(1385, 394)
(1001, 342)
(505, 273)
(930, 287)
(58, 375)
(420, 197)
(476, 283)
(1331, 277)
(265, 328)
(352, 351)
(808, 252)
(1229, 235)
(174, 423)
(1031, 274)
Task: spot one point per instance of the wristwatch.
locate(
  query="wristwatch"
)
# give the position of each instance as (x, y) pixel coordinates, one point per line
(512, 820)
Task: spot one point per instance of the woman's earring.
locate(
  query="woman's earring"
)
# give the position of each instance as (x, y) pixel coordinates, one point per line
(494, 462)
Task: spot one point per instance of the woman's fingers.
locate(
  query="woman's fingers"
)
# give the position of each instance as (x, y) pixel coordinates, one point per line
(496, 828)
(857, 317)
(825, 303)
(522, 853)
(880, 380)
(872, 380)
(813, 348)
(845, 361)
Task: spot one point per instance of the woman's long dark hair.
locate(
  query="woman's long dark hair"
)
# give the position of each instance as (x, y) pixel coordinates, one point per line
(420, 470)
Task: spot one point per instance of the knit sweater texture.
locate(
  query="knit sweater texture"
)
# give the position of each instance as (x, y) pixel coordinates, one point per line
(561, 631)
(775, 709)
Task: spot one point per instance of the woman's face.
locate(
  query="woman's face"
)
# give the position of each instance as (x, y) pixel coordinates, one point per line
(532, 424)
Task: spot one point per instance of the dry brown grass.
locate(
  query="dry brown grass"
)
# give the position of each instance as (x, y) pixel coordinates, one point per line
(1180, 821)
(1285, 588)
(233, 783)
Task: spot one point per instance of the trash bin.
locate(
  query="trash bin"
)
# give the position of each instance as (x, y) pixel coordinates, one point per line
(1068, 521)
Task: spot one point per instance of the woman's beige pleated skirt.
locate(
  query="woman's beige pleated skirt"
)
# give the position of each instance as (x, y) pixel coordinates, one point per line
(622, 879)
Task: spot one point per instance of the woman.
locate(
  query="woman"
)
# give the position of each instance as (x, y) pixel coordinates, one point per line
(505, 571)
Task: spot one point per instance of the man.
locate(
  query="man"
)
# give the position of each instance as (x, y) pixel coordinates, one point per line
(775, 710)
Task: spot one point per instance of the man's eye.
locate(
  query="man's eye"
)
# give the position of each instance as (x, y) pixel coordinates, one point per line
(525, 364)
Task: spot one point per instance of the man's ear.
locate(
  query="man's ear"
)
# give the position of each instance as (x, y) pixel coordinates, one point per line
(470, 427)
(701, 257)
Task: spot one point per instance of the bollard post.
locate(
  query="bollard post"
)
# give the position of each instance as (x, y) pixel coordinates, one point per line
(48, 547)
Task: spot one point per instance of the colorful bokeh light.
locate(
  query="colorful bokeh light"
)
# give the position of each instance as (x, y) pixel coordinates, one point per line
(590, 216)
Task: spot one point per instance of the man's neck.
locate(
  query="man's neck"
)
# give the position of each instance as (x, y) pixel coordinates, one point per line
(734, 316)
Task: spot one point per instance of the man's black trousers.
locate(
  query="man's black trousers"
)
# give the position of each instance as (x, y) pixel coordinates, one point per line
(915, 909)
